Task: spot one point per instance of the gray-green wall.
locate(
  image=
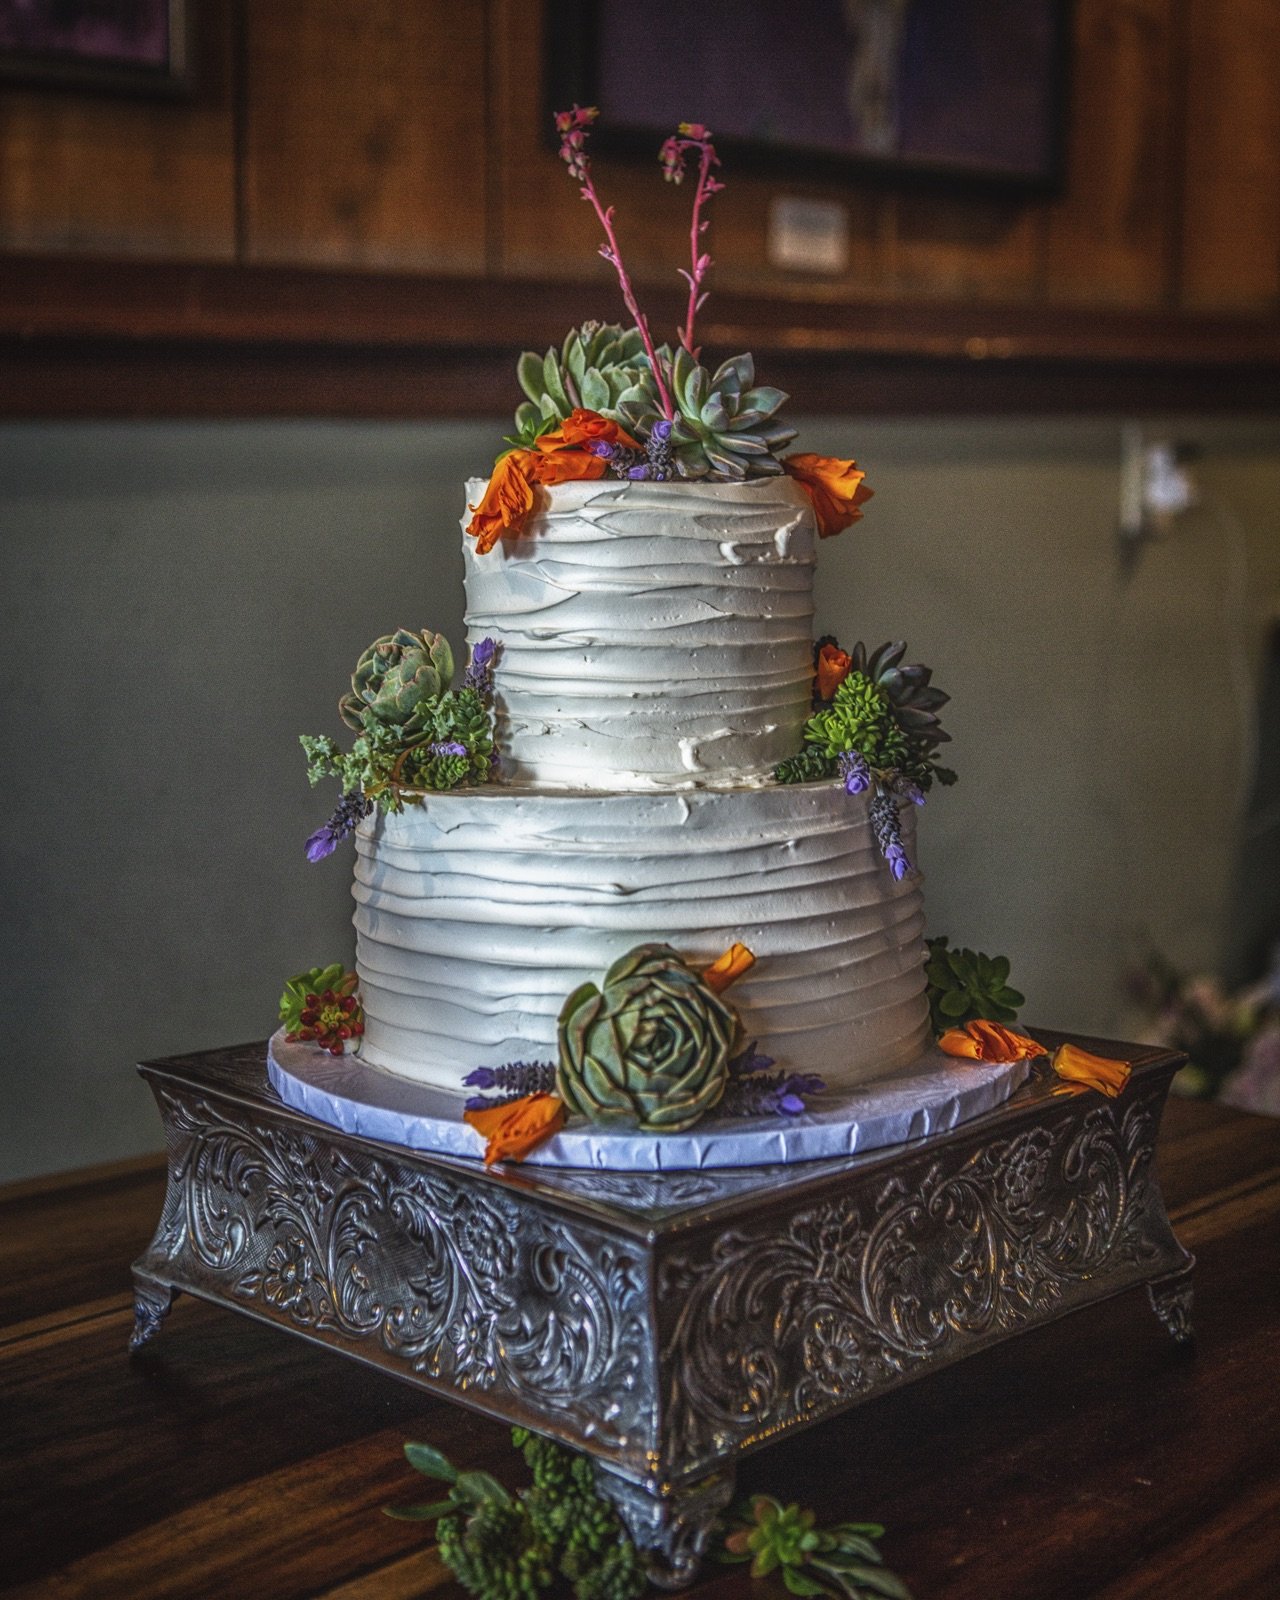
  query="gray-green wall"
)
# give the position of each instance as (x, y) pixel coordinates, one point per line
(180, 601)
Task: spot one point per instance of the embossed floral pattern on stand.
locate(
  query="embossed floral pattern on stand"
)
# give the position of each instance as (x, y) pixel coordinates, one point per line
(457, 1282)
(774, 1323)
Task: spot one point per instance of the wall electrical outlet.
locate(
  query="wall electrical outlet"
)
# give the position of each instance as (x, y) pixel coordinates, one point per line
(808, 235)
(1157, 485)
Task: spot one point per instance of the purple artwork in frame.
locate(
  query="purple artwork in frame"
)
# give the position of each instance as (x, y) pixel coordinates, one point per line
(128, 46)
(968, 90)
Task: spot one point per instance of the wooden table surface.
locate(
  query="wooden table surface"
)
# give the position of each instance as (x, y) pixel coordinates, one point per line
(229, 1460)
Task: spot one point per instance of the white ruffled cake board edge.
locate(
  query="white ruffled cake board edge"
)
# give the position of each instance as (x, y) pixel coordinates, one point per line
(930, 1095)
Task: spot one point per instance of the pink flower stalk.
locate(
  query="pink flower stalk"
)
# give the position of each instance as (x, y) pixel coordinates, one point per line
(693, 136)
(572, 126)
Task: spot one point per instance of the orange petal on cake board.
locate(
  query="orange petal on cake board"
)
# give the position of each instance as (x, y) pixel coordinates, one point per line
(512, 1130)
(992, 1042)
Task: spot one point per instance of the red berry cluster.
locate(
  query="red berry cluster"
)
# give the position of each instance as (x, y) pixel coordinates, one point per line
(329, 1020)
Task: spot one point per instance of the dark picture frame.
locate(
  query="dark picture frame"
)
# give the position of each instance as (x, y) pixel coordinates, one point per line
(968, 93)
(128, 47)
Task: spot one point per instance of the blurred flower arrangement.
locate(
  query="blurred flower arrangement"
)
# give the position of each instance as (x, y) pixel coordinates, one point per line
(1231, 1040)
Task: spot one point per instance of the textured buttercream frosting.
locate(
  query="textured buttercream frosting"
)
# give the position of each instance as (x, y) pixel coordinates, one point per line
(653, 635)
(480, 910)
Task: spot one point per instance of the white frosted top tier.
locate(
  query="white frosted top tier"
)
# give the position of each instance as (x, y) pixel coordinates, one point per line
(654, 635)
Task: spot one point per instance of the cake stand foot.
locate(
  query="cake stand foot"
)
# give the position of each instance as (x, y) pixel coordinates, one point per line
(672, 1528)
(1171, 1300)
(151, 1304)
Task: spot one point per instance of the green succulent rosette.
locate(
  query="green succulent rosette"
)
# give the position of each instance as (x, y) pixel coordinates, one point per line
(396, 680)
(650, 1049)
(967, 986)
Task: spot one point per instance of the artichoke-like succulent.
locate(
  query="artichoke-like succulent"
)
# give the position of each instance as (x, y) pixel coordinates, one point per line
(596, 365)
(965, 985)
(724, 425)
(914, 701)
(397, 679)
(650, 1049)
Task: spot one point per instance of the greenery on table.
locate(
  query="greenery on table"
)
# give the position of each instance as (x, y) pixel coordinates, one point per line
(561, 1533)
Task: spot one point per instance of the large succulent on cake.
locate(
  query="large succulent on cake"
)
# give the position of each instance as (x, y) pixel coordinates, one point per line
(396, 680)
(724, 424)
(597, 364)
(649, 1049)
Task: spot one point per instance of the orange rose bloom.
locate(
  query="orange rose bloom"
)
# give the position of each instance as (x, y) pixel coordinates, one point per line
(516, 1128)
(581, 427)
(728, 968)
(566, 466)
(989, 1041)
(1102, 1073)
(835, 487)
(833, 667)
(506, 502)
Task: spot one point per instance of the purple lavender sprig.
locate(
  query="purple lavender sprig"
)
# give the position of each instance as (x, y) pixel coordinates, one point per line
(855, 771)
(770, 1094)
(479, 673)
(886, 824)
(749, 1060)
(352, 809)
(514, 1080)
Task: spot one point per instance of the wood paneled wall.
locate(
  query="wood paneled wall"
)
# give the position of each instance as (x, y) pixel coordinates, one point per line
(389, 141)
(376, 135)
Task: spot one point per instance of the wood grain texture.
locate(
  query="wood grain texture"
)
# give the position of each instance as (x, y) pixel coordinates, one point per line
(1112, 236)
(89, 173)
(1083, 1460)
(364, 133)
(1231, 209)
(86, 338)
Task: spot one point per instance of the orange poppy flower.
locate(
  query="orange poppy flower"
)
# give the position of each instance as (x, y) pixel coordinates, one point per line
(835, 487)
(512, 1130)
(583, 427)
(728, 968)
(833, 667)
(1102, 1073)
(566, 466)
(989, 1041)
(506, 502)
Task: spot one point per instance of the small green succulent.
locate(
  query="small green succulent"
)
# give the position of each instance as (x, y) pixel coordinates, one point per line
(861, 719)
(597, 364)
(965, 985)
(502, 1546)
(396, 677)
(724, 425)
(838, 1561)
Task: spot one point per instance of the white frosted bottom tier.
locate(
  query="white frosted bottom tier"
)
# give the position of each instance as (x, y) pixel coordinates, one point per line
(479, 911)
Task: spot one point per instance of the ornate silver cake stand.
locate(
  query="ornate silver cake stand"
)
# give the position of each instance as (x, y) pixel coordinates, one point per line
(663, 1323)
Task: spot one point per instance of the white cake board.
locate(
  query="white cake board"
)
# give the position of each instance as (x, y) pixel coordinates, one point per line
(928, 1096)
